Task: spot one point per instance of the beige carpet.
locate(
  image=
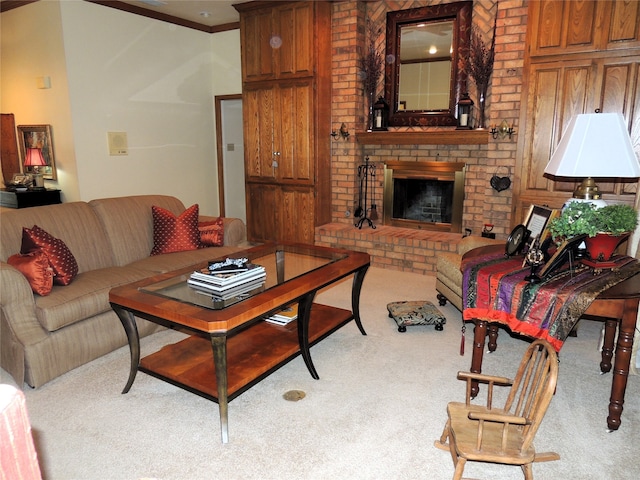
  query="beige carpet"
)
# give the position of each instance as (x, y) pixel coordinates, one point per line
(374, 414)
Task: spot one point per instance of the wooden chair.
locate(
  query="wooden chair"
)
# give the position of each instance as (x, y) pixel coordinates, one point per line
(481, 433)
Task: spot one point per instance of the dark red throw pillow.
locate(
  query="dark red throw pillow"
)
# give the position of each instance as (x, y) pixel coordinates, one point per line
(212, 233)
(175, 234)
(60, 257)
(35, 266)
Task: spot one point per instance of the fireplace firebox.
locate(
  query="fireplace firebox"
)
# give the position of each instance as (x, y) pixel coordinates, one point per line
(424, 195)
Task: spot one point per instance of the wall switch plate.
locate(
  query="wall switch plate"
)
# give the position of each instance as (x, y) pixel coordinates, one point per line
(118, 144)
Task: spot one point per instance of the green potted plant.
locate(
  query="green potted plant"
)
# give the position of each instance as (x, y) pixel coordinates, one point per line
(605, 227)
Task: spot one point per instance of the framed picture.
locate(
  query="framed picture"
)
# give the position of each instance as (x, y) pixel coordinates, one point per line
(37, 136)
(565, 252)
(537, 222)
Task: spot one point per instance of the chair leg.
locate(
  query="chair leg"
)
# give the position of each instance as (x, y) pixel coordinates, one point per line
(459, 468)
(528, 471)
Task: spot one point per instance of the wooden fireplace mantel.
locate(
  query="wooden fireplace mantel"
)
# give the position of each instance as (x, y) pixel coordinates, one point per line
(441, 137)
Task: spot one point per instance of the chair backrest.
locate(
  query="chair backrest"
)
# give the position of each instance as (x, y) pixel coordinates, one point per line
(533, 387)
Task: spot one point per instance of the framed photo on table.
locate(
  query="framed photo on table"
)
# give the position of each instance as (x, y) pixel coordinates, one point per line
(537, 222)
(565, 252)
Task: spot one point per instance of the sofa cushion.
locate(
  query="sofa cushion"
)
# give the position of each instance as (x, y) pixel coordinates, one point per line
(212, 233)
(64, 264)
(128, 223)
(86, 297)
(75, 223)
(36, 268)
(175, 233)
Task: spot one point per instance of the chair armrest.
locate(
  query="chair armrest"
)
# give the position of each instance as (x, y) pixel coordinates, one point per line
(501, 381)
(498, 418)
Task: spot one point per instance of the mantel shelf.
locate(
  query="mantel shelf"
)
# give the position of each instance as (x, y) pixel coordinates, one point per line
(442, 137)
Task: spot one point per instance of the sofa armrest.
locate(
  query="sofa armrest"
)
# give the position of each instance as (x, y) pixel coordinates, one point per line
(20, 325)
(235, 231)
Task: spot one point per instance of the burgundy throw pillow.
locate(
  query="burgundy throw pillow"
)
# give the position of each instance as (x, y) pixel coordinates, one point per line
(212, 233)
(35, 266)
(65, 267)
(175, 234)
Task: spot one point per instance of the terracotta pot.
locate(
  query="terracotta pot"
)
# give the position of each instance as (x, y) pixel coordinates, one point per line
(601, 247)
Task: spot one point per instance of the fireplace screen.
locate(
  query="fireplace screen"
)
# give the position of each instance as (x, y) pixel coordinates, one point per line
(424, 195)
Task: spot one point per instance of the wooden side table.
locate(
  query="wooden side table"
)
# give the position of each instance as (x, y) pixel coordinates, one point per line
(29, 198)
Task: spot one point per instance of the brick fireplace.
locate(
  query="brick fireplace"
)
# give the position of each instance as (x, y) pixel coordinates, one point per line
(402, 248)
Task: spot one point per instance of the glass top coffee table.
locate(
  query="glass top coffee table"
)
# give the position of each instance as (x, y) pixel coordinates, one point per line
(235, 328)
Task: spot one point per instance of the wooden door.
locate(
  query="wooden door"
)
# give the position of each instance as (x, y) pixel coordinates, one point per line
(9, 148)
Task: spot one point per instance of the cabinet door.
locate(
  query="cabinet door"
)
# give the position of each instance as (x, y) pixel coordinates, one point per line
(262, 209)
(281, 151)
(277, 42)
(559, 27)
(557, 91)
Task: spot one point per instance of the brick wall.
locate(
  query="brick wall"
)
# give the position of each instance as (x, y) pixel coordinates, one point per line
(393, 247)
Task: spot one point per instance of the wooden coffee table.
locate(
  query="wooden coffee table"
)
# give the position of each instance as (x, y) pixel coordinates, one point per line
(245, 348)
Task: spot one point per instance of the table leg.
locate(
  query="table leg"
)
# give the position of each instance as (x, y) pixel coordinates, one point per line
(131, 329)
(304, 314)
(479, 334)
(358, 278)
(219, 345)
(610, 327)
(493, 337)
(622, 361)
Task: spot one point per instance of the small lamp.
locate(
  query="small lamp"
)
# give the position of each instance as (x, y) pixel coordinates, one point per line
(594, 145)
(35, 159)
(381, 115)
(464, 112)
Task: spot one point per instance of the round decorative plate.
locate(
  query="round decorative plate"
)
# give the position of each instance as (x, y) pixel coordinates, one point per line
(516, 240)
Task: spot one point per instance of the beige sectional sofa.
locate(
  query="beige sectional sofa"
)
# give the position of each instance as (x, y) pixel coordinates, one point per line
(42, 337)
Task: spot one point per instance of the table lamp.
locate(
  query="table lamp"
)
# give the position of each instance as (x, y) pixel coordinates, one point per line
(35, 159)
(594, 145)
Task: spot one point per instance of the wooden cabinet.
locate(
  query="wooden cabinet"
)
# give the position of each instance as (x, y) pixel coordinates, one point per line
(561, 86)
(558, 27)
(286, 114)
(277, 40)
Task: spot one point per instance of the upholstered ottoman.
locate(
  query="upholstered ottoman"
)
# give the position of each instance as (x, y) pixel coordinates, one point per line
(416, 313)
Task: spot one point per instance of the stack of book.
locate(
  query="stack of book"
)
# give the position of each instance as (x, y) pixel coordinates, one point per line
(227, 279)
(284, 316)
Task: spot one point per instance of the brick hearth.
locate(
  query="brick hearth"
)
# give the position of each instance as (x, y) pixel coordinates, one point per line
(390, 247)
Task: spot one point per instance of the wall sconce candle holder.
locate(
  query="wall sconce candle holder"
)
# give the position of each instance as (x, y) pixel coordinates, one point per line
(381, 115)
(342, 133)
(502, 130)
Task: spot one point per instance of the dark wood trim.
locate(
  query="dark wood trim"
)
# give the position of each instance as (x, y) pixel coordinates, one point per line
(164, 17)
(6, 5)
(441, 137)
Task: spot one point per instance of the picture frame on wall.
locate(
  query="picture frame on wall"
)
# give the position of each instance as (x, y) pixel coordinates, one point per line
(37, 136)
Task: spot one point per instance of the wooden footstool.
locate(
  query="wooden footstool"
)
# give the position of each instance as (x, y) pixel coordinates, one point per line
(416, 313)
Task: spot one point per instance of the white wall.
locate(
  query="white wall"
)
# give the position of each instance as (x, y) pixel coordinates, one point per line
(32, 46)
(115, 71)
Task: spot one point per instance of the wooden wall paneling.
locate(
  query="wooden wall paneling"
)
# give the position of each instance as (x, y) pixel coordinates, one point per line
(624, 29)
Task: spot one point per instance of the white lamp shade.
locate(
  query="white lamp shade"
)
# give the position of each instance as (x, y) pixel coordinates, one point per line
(595, 145)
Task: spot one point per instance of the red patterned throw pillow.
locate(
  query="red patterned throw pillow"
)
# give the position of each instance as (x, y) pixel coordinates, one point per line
(175, 234)
(35, 266)
(60, 257)
(212, 233)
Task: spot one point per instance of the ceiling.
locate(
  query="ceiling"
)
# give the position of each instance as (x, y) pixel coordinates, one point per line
(205, 15)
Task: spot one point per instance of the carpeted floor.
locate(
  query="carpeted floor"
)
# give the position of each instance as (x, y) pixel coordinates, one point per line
(374, 414)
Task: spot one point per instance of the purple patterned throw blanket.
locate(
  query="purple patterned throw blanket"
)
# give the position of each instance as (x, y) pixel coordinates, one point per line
(494, 289)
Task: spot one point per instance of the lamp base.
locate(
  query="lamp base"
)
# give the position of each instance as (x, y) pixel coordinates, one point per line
(587, 190)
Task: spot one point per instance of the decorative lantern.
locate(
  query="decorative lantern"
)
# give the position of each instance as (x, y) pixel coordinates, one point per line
(464, 112)
(380, 115)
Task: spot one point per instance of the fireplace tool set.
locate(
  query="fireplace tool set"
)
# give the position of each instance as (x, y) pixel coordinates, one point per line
(366, 172)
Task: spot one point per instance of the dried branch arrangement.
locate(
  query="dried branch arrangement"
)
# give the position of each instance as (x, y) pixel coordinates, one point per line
(480, 65)
(372, 62)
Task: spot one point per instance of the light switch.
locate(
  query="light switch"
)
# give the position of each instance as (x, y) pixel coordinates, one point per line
(118, 144)
(43, 82)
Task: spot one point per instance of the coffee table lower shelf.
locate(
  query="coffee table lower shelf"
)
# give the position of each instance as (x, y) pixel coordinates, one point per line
(252, 354)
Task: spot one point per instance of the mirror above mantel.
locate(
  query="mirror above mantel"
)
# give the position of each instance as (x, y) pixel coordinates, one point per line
(426, 48)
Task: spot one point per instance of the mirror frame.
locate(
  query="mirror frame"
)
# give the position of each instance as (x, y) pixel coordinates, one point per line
(461, 15)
